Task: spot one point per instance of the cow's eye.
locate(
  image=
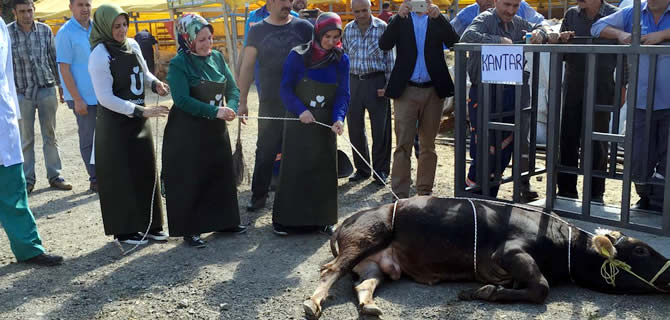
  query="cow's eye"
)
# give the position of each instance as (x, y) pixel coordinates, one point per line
(641, 251)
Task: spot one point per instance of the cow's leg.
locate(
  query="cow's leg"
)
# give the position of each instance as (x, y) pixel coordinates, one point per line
(370, 277)
(329, 274)
(533, 286)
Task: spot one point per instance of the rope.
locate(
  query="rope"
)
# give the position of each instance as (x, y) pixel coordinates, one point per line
(153, 192)
(395, 205)
(474, 214)
(610, 269)
(570, 253)
(345, 138)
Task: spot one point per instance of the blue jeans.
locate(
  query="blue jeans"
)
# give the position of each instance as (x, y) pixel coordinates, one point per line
(45, 102)
(86, 130)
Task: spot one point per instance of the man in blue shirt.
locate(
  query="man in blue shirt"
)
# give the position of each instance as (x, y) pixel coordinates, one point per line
(72, 51)
(655, 24)
(464, 17)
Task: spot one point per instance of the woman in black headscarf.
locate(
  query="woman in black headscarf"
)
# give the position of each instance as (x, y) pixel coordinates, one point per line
(314, 87)
(124, 153)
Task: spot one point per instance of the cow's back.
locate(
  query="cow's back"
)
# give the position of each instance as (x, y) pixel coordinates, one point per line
(434, 237)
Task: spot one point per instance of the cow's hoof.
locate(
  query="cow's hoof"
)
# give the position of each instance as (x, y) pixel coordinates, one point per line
(371, 310)
(312, 311)
(467, 295)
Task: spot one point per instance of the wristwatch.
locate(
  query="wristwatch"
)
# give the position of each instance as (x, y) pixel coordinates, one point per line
(138, 112)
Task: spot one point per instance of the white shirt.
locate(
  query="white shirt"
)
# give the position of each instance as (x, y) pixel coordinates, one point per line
(10, 140)
(101, 76)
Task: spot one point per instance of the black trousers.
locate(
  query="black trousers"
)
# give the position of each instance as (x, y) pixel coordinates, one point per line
(572, 129)
(269, 142)
(656, 149)
(364, 97)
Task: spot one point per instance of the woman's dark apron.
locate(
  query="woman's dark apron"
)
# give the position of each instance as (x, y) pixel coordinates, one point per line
(198, 169)
(124, 157)
(307, 193)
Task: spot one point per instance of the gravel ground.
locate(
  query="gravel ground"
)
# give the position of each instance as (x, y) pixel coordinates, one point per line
(251, 276)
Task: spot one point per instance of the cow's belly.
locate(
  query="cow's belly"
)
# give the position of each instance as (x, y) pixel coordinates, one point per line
(426, 266)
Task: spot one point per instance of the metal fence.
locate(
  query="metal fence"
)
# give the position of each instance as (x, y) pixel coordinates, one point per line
(490, 123)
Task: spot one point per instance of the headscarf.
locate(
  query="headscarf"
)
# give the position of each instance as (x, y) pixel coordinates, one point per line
(315, 56)
(103, 21)
(188, 27)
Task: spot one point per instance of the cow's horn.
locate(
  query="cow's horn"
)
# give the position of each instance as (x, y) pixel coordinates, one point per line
(604, 246)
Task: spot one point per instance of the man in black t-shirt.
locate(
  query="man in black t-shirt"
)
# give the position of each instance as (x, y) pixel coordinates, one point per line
(147, 42)
(269, 42)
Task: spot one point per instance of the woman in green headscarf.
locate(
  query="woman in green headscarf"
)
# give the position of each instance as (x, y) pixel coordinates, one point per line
(200, 186)
(124, 154)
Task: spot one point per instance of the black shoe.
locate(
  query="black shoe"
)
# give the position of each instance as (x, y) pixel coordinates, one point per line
(238, 229)
(327, 230)
(381, 180)
(93, 187)
(527, 193)
(569, 195)
(45, 260)
(29, 188)
(358, 176)
(195, 241)
(132, 238)
(279, 230)
(157, 235)
(256, 203)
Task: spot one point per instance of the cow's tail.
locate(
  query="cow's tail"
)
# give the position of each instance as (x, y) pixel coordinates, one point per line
(333, 241)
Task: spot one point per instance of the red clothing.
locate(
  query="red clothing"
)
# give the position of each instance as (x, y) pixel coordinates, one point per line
(385, 15)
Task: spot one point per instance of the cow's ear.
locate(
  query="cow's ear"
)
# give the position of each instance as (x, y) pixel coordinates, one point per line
(603, 246)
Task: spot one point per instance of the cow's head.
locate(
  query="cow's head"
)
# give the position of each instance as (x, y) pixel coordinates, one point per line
(629, 265)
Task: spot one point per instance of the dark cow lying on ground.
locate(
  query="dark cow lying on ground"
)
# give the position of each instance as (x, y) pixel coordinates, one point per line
(519, 252)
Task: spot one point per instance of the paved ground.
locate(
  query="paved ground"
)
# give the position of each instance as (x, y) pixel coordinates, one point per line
(252, 276)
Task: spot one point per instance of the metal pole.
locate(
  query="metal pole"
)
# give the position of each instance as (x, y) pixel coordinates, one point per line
(587, 147)
(460, 113)
(553, 122)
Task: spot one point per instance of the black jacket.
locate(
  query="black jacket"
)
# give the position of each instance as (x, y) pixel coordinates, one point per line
(400, 33)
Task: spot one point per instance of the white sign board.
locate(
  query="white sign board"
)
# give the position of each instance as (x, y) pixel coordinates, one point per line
(502, 64)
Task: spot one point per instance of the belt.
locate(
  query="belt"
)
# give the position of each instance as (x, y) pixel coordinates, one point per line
(367, 75)
(47, 86)
(427, 84)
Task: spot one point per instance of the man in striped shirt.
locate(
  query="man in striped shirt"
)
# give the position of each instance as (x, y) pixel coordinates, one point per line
(36, 79)
(370, 69)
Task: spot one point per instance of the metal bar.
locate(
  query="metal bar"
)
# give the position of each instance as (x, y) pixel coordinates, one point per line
(553, 121)
(618, 85)
(608, 137)
(483, 145)
(631, 98)
(516, 163)
(609, 222)
(502, 126)
(459, 130)
(498, 171)
(576, 48)
(587, 146)
(578, 171)
(666, 194)
(533, 113)
(479, 154)
(635, 34)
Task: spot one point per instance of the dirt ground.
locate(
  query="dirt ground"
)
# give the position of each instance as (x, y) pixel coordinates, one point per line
(256, 275)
